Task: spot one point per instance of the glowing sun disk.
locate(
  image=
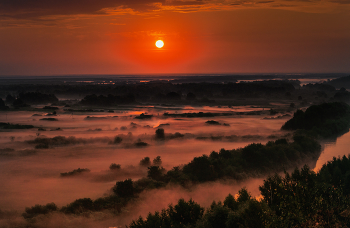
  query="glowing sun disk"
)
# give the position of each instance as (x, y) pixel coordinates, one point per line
(159, 43)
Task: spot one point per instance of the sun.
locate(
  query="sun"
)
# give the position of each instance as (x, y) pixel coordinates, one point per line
(159, 43)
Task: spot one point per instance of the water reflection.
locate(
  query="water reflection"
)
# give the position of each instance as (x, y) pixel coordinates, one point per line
(337, 148)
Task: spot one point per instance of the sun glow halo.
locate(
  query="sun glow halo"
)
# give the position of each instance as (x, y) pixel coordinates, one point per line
(159, 43)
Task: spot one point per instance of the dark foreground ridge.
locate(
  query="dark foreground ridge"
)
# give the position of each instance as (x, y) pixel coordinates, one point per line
(301, 199)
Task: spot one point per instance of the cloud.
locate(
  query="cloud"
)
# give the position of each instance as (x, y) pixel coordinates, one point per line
(37, 8)
(183, 3)
(21, 9)
(43, 9)
(342, 1)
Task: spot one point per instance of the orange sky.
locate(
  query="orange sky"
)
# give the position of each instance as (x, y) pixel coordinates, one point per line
(216, 36)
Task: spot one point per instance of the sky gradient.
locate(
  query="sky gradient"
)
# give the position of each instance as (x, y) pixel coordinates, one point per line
(45, 37)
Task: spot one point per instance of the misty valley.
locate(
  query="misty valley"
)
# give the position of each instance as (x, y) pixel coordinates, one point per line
(175, 151)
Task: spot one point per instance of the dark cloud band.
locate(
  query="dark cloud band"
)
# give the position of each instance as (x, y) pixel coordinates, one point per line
(28, 8)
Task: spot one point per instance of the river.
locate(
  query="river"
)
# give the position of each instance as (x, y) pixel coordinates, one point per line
(337, 148)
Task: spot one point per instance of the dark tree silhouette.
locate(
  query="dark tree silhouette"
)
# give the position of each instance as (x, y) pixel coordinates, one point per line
(145, 161)
(157, 161)
(191, 96)
(124, 189)
(117, 140)
(155, 173)
(160, 133)
(114, 166)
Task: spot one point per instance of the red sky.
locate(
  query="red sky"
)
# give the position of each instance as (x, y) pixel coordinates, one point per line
(44, 37)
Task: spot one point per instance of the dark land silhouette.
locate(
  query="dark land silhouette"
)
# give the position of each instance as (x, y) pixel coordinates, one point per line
(150, 116)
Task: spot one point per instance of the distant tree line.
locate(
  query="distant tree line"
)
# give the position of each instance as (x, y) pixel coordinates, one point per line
(75, 172)
(108, 95)
(15, 126)
(340, 82)
(26, 99)
(202, 93)
(32, 98)
(43, 142)
(108, 100)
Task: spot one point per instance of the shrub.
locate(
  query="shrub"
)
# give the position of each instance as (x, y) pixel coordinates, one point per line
(117, 140)
(160, 133)
(114, 166)
(145, 161)
(157, 161)
(31, 212)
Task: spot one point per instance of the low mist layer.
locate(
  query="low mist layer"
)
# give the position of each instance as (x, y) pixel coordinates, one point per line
(71, 155)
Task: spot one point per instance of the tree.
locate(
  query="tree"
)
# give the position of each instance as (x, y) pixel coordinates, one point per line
(200, 169)
(300, 200)
(124, 189)
(250, 214)
(155, 172)
(117, 140)
(243, 195)
(185, 213)
(114, 166)
(157, 161)
(173, 96)
(217, 215)
(145, 162)
(191, 96)
(230, 202)
(79, 206)
(10, 99)
(18, 103)
(160, 133)
(31, 212)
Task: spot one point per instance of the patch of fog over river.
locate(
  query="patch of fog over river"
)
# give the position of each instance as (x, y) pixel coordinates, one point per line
(32, 176)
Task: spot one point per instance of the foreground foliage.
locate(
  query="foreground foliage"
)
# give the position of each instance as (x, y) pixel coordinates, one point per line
(300, 199)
